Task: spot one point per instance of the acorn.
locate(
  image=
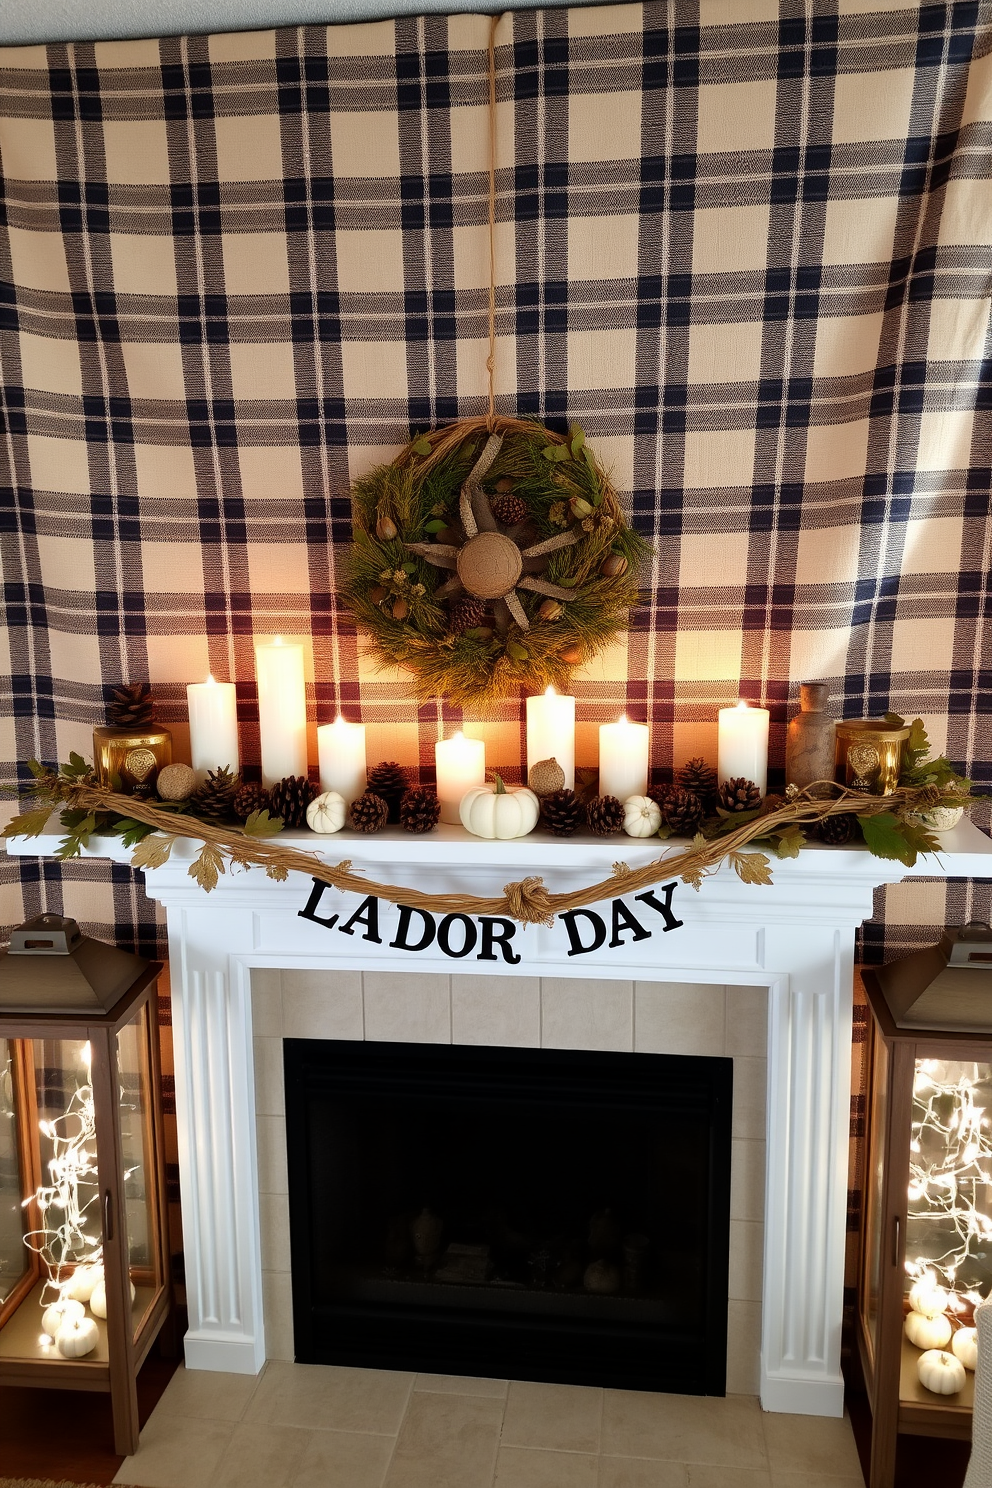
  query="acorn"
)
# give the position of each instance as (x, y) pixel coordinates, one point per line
(378, 594)
(400, 609)
(503, 485)
(385, 528)
(613, 566)
(580, 507)
(550, 610)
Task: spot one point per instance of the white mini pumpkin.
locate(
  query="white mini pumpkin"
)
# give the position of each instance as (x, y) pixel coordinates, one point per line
(65, 1310)
(641, 816)
(965, 1347)
(494, 811)
(940, 1372)
(78, 1337)
(927, 1332)
(98, 1300)
(927, 1297)
(83, 1280)
(327, 812)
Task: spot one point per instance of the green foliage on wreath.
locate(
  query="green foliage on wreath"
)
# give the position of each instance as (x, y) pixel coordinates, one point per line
(394, 592)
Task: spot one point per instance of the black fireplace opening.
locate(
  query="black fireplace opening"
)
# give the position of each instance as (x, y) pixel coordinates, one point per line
(515, 1213)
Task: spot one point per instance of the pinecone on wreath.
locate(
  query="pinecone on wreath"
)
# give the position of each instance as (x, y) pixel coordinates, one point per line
(251, 797)
(508, 508)
(739, 794)
(389, 781)
(700, 778)
(132, 706)
(420, 810)
(466, 614)
(562, 812)
(289, 798)
(605, 815)
(836, 829)
(214, 799)
(368, 814)
(683, 813)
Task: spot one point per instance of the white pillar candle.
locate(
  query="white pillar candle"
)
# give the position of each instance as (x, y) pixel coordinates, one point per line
(341, 754)
(623, 759)
(551, 732)
(213, 727)
(282, 710)
(461, 764)
(743, 744)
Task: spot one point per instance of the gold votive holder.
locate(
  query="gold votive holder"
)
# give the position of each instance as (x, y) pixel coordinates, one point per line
(869, 755)
(129, 759)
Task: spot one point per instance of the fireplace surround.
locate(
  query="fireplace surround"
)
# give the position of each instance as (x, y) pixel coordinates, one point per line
(776, 962)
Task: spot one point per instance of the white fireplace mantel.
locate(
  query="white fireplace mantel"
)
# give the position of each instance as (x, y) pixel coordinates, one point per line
(796, 938)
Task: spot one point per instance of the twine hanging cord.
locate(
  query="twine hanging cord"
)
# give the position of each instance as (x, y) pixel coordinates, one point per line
(527, 901)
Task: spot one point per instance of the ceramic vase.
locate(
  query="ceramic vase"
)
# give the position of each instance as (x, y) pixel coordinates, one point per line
(810, 741)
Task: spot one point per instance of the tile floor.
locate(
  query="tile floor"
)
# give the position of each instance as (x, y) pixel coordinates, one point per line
(305, 1426)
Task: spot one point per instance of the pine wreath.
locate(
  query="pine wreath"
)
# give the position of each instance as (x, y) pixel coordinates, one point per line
(550, 584)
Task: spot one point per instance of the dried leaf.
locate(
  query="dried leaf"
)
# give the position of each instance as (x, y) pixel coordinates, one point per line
(152, 852)
(788, 841)
(29, 823)
(699, 840)
(421, 446)
(621, 870)
(694, 878)
(436, 526)
(207, 867)
(751, 868)
(518, 652)
(277, 871)
(261, 824)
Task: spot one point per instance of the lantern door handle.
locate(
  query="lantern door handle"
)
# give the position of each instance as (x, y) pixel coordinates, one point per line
(896, 1236)
(108, 1216)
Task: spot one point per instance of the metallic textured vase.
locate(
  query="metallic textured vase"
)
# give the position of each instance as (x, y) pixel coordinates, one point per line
(129, 759)
(869, 755)
(809, 741)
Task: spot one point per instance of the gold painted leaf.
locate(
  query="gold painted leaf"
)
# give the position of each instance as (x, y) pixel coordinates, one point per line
(29, 823)
(152, 852)
(751, 868)
(277, 871)
(207, 867)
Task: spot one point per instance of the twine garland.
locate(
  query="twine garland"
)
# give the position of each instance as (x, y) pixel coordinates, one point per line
(528, 900)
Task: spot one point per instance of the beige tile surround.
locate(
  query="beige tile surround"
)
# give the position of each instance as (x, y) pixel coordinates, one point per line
(307, 1426)
(523, 1012)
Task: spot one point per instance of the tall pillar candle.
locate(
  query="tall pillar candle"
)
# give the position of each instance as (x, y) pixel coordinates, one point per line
(282, 709)
(623, 759)
(743, 744)
(551, 732)
(213, 727)
(341, 754)
(461, 765)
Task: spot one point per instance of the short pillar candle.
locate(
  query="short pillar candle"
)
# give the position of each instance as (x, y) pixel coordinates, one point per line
(282, 709)
(213, 727)
(461, 765)
(623, 759)
(743, 744)
(551, 732)
(341, 756)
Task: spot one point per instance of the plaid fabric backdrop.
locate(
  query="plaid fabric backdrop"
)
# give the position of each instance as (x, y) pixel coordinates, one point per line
(746, 245)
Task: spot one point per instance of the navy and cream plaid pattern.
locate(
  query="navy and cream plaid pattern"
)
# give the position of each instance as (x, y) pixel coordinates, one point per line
(745, 244)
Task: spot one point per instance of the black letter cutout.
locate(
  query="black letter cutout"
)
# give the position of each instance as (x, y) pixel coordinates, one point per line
(403, 929)
(366, 914)
(575, 939)
(444, 935)
(490, 939)
(309, 912)
(624, 920)
(665, 910)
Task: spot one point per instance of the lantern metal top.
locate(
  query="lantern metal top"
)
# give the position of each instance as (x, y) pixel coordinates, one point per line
(946, 987)
(51, 967)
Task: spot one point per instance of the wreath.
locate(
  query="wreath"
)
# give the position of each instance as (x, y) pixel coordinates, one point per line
(489, 556)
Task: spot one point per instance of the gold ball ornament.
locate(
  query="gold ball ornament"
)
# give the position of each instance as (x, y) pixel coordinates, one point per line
(176, 783)
(546, 776)
(489, 565)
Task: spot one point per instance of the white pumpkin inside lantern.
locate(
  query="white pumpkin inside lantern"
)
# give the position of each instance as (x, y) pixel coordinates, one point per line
(98, 1299)
(76, 1337)
(82, 1281)
(927, 1297)
(65, 1310)
(940, 1372)
(965, 1347)
(928, 1332)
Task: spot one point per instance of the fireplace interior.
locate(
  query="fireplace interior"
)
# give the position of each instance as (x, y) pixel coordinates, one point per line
(518, 1213)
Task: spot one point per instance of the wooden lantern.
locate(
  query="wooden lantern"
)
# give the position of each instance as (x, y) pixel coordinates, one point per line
(926, 1240)
(82, 1181)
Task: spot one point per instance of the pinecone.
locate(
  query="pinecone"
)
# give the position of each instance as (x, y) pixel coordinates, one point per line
(700, 778)
(562, 812)
(836, 829)
(659, 794)
(368, 814)
(739, 794)
(289, 798)
(772, 802)
(390, 783)
(133, 705)
(683, 812)
(251, 797)
(420, 810)
(466, 614)
(508, 509)
(214, 799)
(605, 815)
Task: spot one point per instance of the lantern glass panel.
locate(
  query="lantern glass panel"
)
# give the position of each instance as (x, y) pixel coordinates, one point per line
(69, 1197)
(138, 1145)
(949, 1211)
(14, 1258)
(871, 1289)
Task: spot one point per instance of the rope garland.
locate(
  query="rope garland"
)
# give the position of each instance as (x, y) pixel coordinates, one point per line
(527, 901)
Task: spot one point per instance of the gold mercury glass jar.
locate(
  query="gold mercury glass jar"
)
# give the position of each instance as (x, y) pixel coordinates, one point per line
(869, 755)
(130, 750)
